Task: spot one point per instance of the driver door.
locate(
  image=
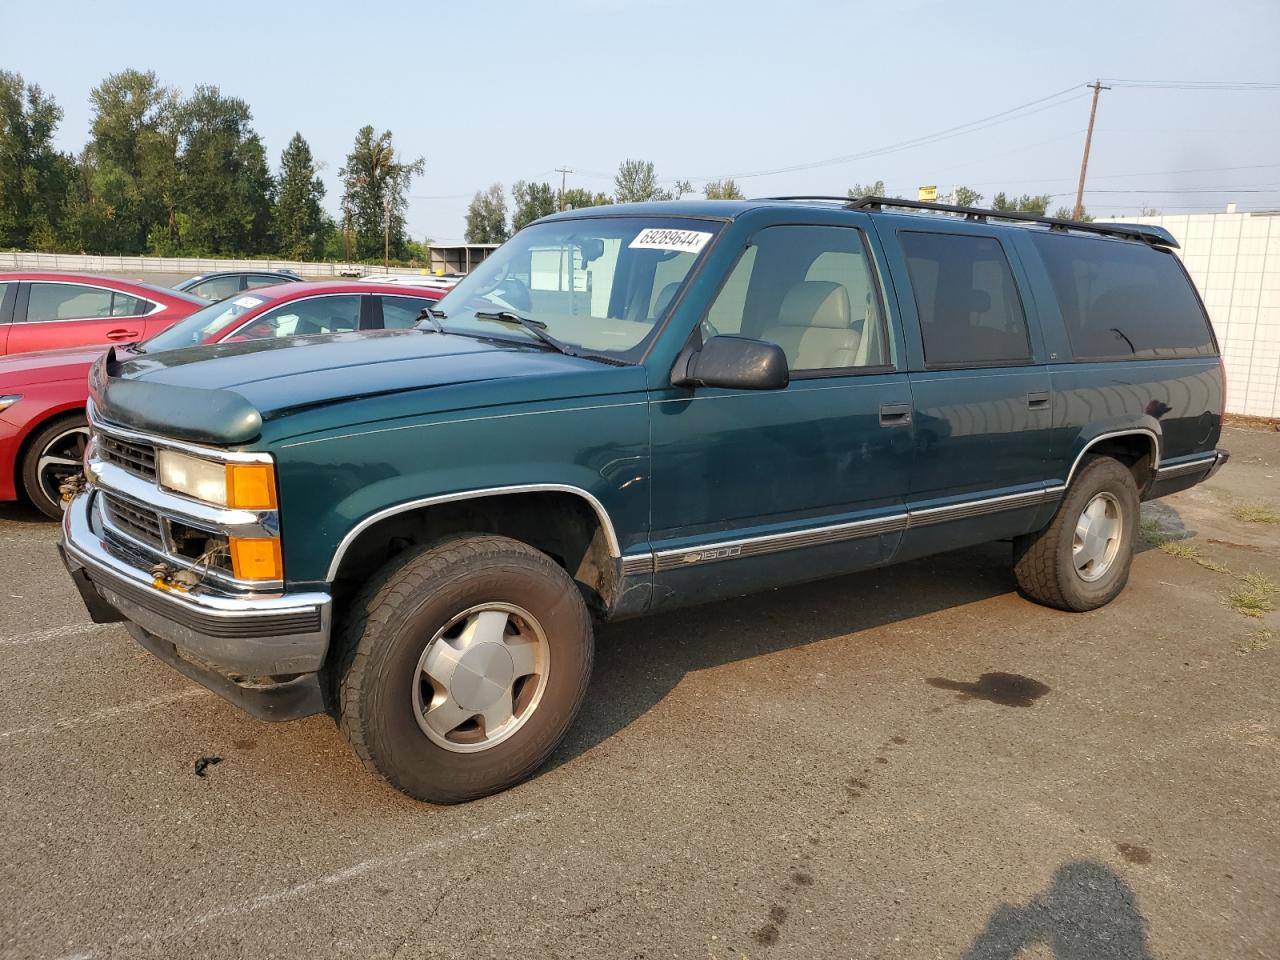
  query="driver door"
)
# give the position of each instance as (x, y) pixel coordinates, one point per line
(758, 488)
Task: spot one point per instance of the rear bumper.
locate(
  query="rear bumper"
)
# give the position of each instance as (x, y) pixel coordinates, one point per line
(262, 652)
(1170, 478)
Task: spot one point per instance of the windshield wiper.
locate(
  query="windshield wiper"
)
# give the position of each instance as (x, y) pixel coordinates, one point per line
(535, 327)
(430, 315)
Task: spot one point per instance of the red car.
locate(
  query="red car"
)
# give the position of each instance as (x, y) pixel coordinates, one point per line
(46, 311)
(42, 395)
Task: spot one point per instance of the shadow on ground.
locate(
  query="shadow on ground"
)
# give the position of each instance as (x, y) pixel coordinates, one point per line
(1088, 913)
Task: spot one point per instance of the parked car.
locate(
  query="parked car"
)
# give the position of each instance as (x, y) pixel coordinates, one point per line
(446, 282)
(45, 311)
(227, 283)
(624, 410)
(43, 431)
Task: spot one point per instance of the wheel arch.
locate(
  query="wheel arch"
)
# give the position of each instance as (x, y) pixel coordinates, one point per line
(29, 432)
(1138, 448)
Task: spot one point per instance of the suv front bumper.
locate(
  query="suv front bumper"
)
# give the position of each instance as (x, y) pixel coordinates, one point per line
(261, 652)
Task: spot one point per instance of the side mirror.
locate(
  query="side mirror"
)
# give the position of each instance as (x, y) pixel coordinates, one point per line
(738, 363)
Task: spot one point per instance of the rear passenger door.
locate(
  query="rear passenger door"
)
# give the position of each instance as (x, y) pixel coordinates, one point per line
(981, 393)
(51, 315)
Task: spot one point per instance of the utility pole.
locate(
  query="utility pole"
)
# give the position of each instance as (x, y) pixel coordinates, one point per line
(1097, 88)
(346, 230)
(563, 173)
(386, 231)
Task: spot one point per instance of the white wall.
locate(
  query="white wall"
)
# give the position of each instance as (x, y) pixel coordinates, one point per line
(1234, 259)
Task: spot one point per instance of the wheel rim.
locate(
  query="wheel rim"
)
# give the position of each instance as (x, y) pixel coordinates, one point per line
(481, 677)
(61, 458)
(1097, 539)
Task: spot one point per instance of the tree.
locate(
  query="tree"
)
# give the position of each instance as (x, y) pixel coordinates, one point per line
(487, 216)
(724, 189)
(575, 198)
(34, 177)
(967, 197)
(876, 189)
(375, 186)
(636, 182)
(129, 197)
(1024, 204)
(299, 219)
(1066, 213)
(225, 186)
(532, 200)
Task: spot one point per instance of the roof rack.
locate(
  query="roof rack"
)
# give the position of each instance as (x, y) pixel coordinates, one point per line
(1148, 233)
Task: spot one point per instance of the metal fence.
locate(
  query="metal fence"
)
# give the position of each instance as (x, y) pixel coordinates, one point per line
(85, 263)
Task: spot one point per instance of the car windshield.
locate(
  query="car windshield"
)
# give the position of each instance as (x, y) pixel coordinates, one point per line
(203, 324)
(597, 283)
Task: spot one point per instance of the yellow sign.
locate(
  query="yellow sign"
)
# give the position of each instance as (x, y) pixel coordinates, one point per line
(927, 193)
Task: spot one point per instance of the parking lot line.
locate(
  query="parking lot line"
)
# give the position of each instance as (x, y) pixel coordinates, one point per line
(50, 633)
(301, 890)
(97, 716)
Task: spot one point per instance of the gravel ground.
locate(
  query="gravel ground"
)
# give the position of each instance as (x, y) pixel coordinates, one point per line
(909, 763)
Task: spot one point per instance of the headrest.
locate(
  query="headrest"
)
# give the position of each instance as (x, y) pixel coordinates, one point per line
(979, 301)
(815, 303)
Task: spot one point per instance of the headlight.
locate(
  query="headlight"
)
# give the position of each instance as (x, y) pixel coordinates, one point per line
(244, 486)
(9, 401)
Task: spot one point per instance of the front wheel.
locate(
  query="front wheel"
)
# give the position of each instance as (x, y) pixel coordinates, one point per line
(1081, 560)
(53, 456)
(461, 667)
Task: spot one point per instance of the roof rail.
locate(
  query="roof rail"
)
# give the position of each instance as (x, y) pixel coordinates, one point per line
(1148, 233)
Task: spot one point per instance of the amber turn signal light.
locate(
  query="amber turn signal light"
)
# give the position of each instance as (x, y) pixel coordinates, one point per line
(251, 486)
(254, 559)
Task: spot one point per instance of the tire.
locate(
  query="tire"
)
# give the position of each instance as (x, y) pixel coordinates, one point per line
(1047, 564)
(403, 635)
(66, 436)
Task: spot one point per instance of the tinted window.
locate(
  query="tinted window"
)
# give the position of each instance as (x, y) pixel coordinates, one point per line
(4, 292)
(970, 312)
(219, 288)
(1122, 300)
(123, 305)
(812, 291)
(67, 301)
(399, 313)
(260, 280)
(338, 314)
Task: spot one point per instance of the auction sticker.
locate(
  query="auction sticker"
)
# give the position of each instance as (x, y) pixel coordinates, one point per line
(656, 238)
(248, 302)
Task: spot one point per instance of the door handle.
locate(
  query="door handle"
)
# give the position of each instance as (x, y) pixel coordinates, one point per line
(1038, 399)
(121, 334)
(895, 414)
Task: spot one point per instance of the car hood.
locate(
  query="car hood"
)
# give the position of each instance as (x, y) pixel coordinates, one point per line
(223, 393)
(47, 366)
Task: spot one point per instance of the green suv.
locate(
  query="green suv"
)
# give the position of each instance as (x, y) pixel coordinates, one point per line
(623, 410)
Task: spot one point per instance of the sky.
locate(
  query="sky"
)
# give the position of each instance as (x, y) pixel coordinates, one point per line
(501, 91)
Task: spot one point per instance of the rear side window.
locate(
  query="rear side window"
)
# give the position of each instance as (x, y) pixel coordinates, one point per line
(67, 301)
(1122, 300)
(218, 288)
(400, 313)
(970, 311)
(123, 305)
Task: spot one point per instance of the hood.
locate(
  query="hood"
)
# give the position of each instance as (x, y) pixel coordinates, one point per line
(47, 366)
(189, 393)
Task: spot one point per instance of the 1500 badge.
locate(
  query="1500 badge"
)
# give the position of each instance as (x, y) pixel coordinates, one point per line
(702, 556)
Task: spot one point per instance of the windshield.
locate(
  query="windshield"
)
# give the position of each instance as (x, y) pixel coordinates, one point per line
(203, 324)
(600, 284)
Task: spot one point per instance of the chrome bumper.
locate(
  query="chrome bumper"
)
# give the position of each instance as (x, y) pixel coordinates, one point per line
(247, 639)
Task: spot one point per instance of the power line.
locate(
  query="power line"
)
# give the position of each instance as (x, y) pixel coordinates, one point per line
(1225, 85)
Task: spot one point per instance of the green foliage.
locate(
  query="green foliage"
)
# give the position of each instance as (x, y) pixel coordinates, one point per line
(967, 197)
(375, 187)
(1256, 513)
(636, 182)
(532, 200)
(487, 216)
(299, 219)
(1255, 596)
(1024, 204)
(876, 189)
(34, 177)
(724, 189)
(575, 198)
(1066, 213)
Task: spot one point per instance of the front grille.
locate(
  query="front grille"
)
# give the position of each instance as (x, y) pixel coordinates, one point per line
(137, 522)
(137, 458)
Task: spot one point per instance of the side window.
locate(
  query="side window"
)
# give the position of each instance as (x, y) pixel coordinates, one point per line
(4, 302)
(970, 311)
(1122, 299)
(812, 291)
(337, 314)
(123, 305)
(67, 301)
(400, 313)
(258, 280)
(217, 288)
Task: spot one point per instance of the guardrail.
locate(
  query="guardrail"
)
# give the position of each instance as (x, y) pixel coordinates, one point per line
(88, 263)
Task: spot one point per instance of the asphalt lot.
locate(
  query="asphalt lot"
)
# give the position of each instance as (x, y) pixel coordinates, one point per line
(832, 770)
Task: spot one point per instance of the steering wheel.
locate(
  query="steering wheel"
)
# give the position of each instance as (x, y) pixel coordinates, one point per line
(515, 293)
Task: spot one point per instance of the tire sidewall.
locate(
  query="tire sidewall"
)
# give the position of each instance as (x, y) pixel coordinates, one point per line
(31, 457)
(1103, 475)
(400, 749)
